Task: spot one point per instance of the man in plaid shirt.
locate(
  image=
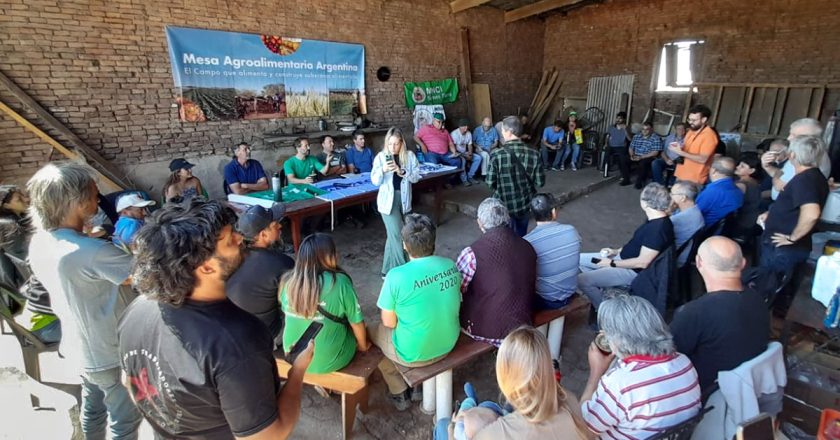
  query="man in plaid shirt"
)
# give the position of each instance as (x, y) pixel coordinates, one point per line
(645, 148)
(515, 184)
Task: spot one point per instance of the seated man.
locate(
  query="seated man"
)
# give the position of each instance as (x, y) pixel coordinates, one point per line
(558, 252)
(616, 141)
(199, 366)
(651, 387)
(721, 196)
(618, 267)
(499, 279)
(338, 161)
(253, 287)
(665, 163)
(685, 216)
(552, 139)
(728, 325)
(244, 175)
(359, 157)
(301, 168)
(644, 149)
(463, 140)
(486, 139)
(791, 219)
(420, 302)
(437, 145)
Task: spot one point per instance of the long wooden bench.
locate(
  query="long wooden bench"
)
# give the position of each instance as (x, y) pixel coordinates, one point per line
(351, 381)
(437, 378)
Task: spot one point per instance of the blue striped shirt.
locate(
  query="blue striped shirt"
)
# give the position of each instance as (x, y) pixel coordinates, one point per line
(558, 258)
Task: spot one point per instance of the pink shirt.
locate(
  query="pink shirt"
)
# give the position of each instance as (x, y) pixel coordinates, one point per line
(437, 141)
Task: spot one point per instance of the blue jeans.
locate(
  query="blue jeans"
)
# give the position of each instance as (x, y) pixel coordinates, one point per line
(557, 157)
(50, 333)
(437, 158)
(658, 168)
(780, 259)
(475, 164)
(541, 303)
(574, 151)
(442, 429)
(104, 395)
(519, 224)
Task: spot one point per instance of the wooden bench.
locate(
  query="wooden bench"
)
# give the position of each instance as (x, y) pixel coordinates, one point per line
(351, 381)
(437, 378)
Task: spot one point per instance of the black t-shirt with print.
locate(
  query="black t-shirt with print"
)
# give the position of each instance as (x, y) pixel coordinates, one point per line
(656, 234)
(809, 186)
(253, 287)
(201, 370)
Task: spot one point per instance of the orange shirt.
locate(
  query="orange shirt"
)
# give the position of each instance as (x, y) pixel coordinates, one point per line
(697, 142)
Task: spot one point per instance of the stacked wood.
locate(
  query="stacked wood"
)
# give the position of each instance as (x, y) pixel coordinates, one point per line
(546, 92)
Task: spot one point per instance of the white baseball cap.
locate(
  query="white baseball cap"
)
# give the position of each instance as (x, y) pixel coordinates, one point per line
(133, 200)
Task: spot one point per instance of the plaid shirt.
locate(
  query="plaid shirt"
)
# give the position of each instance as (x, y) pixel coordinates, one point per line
(514, 188)
(643, 145)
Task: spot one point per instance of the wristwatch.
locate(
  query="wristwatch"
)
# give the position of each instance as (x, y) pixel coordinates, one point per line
(612, 263)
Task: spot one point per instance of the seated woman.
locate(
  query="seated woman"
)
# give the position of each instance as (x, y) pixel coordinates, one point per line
(541, 407)
(750, 175)
(643, 386)
(317, 289)
(618, 267)
(181, 186)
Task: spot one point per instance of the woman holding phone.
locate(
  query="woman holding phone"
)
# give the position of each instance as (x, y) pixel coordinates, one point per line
(395, 168)
(317, 289)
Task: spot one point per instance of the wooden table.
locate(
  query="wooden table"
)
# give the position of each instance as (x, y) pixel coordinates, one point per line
(296, 212)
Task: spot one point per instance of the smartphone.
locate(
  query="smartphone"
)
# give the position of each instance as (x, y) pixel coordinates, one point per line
(759, 427)
(595, 260)
(389, 157)
(308, 335)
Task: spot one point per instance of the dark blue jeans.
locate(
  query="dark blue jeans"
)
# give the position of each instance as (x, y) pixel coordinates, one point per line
(658, 167)
(437, 158)
(541, 303)
(519, 224)
(780, 259)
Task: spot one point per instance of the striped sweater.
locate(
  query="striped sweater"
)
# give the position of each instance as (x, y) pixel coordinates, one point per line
(642, 396)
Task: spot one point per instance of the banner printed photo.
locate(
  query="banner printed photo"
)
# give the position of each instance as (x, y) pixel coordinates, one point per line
(230, 75)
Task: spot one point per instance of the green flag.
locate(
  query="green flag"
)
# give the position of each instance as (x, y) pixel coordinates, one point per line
(431, 92)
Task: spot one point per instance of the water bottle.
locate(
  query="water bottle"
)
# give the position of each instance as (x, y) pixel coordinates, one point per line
(832, 317)
(421, 158)
(275, 186)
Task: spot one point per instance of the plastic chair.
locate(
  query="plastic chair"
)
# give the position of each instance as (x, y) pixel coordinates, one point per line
(28, 422)
(31, 347)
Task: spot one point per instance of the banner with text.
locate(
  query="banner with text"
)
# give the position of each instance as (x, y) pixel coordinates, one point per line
(231, 75)
(431, 92)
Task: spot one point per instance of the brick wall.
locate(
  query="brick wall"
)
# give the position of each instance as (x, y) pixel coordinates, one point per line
(772, 41)
(102, 68)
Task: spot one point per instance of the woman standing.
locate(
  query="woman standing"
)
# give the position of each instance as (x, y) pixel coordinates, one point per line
(542, 409)
(571, 146)
(749, 174)
(181, 186)
(317, 289)
(395, 168)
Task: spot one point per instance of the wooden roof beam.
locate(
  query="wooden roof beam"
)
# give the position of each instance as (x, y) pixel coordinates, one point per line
(538, 8)
(463, 5)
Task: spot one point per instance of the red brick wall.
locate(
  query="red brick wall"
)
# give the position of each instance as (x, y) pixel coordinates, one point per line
(772, 41)
(103, 69)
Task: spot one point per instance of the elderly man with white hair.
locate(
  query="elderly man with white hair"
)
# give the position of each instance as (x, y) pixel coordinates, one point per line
(791, 219)
(486, 138)
(650, 387)
(618, 267)
(782, 172)
(499, 274)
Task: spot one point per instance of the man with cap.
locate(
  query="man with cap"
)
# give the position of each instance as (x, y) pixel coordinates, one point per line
(244, 175)
(463, 140)
(181, 186)
(437, 145)
(253, 287)
(132, 210)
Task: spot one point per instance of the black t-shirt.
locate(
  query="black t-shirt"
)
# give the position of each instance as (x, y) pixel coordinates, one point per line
(253, 287)
(201, 370)
(721, 330)
(397, 180)
(656, 234)
(809, 186)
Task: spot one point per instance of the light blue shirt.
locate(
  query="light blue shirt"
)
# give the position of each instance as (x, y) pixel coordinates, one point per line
(552, 137)
(558, 257)
(670, 139)
(484, 139)
(83, 275)
(718, 199)
(686, 223)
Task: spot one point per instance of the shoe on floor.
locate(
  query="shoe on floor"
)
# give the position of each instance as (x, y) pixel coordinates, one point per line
(417, 393)
(638, 186)
(563, 168)
(624, 183)
(467, 183)
(574, 168)
(556, 169)
(401, 401)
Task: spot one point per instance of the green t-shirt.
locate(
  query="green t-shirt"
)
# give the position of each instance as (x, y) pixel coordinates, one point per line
(426, 296)
(301, 169)
(335, 344)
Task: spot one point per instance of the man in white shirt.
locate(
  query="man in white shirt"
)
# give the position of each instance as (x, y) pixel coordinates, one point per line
(782, 174)
(463, 140)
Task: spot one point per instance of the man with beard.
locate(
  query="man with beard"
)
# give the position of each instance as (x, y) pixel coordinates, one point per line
(199, 366)
(301, 167)
(699, 147)
(253, 287)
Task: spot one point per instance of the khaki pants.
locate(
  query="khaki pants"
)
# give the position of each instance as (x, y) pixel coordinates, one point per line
(383, 337)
